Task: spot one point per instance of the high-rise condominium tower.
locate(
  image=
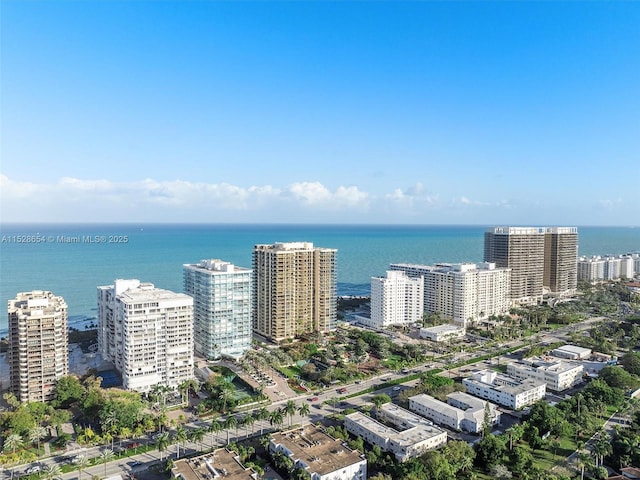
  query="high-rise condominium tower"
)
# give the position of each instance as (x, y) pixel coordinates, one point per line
(522, 250)
(38, 349)
(147, 333)
(294, 289)
(396, 299)
(221, 307)
(463, 293)
(537, 256)
(561, 260)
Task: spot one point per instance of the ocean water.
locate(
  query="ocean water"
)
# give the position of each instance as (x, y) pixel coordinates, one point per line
(72, 260)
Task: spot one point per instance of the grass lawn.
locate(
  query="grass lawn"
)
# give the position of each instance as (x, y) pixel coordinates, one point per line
(290, 371)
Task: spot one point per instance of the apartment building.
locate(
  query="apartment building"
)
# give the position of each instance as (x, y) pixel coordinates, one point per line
(321, 456)
(413, 437)
(395, 300)
(220, 463)
(598, 268)
(147, 333)
(463, 293)
(540, 258)
(561, 261)
(294, 288)
(462, 412)
(558, 375)
(522, 250)
(38, 353)
(222, 306)
(504, 390)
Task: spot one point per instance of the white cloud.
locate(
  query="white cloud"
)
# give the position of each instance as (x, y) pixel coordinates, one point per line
(74, 199)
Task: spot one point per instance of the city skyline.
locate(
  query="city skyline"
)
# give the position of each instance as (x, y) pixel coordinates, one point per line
(320, 112)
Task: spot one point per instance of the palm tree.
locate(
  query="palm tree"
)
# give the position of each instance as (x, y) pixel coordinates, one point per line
(290, 409)
(248, 421)
(162, 443)
(36, 434)
(82, 462)
(214, 429)
(181, 437)
(304, 409)
(225, 395)
(230, 422)
(276, 418)
(105, 457)
(197, 436)
(262, 414)
(13, 442)
(52, 472)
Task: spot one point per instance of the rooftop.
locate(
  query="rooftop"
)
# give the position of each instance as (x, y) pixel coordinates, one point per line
(313, 447)
(221, 463)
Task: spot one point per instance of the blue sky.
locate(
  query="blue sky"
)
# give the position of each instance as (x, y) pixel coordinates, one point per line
(312, 112)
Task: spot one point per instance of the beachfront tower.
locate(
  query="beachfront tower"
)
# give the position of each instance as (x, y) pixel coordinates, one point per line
(294, 288)
(222, 306)
(561, 260)
(38, 352)
(147, 333)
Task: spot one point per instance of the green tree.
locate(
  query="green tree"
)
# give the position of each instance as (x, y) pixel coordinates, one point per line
(82, 463)
(13, 442)
(262, 415)
(52, 472)
(214, 428)
(276, 418)
(181, 438)
(489, 451)
(290, 410)
(230, 422)
(380, 399)
(162, 443)
(197, 435)
(36, 434)
(105, 457)
(68, 391)
(304, 409)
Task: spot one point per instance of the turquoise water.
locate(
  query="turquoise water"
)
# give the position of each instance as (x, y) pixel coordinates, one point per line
(155, 253)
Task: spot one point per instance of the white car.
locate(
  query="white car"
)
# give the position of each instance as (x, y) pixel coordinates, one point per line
(33, 469)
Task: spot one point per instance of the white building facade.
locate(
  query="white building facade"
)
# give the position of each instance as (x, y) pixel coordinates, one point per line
(462, 412)
(153, 330)
(463, 293)
(222, 307)
(443, 333)
(504, 390)
(558, 375)
(414, 436)
(396, 299)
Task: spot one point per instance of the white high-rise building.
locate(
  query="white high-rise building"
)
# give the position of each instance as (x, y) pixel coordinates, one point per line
(147, 333)
(396, 299)
(610, 267)
(463, 293)
(38, 352)
(221, 295)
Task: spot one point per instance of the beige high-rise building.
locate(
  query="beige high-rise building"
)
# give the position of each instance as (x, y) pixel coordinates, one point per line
(294, 289)
(38, 346)
(540, 258)
(561, 260)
